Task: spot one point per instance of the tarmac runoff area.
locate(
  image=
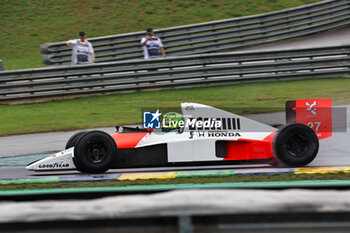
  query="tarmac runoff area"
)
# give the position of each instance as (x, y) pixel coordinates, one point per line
(324, 39)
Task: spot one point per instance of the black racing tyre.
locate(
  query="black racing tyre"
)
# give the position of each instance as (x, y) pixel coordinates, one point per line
(94, 152)
(74, 138)
(295, 145)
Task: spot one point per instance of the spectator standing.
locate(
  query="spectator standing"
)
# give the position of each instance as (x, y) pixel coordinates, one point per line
(152, 45)
(83, 52)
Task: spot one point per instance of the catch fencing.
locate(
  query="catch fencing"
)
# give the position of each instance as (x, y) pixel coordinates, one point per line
(216, 36)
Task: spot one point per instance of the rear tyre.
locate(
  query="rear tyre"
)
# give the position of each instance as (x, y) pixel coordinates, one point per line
(94, 152)
(295, 145)
(74, 138)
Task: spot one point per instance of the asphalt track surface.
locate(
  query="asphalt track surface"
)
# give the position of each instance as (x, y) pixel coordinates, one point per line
(334, 151)
(324, 39)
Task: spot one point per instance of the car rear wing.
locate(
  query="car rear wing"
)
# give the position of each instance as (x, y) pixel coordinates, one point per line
(315, 113)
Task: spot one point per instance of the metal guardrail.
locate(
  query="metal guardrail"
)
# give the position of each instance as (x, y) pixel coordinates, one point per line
(325, 222)
(216, 36)
(175, 72)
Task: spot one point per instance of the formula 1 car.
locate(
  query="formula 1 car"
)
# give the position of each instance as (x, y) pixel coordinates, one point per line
(200, 135)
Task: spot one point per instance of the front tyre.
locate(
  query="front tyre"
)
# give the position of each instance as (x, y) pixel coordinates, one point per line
(94, 152)
(74, 138)
(295, 145)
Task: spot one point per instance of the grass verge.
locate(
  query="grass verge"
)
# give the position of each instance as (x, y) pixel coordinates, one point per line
(126, 108)
(198, 180)
(27, 24)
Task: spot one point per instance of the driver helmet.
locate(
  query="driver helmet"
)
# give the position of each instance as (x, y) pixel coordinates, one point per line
(171, 121)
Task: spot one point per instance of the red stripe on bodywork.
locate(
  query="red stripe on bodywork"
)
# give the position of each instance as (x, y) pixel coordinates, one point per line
(128, 140)
(247, 149)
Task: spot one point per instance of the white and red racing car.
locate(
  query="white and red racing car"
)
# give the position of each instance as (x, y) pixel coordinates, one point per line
(201, 135)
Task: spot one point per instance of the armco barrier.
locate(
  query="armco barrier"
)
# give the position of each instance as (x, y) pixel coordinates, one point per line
(216, 36)
(191, 70)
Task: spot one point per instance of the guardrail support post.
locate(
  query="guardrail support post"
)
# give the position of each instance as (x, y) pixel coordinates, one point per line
(185, 224)
(1, 66)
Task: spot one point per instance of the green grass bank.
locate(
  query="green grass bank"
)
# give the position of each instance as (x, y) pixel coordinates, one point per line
(25, 24)
(126, 108)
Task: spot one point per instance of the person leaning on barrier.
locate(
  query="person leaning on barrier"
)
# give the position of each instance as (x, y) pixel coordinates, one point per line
(152, 45)
(83, 52)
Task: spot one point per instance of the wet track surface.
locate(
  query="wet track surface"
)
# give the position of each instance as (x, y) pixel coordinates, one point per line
(20, 172)
(334, 151)
(324, 39)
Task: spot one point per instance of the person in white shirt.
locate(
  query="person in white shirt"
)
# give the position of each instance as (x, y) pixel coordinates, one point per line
(152, 45)
(83, 53)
